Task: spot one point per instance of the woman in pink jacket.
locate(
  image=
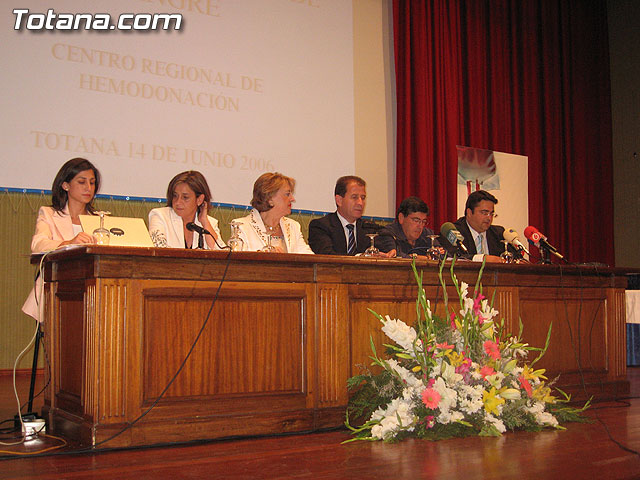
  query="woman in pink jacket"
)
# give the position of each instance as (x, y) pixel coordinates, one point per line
(72, 194)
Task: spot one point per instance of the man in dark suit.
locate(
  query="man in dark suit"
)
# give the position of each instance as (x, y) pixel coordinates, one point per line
(408, 234)
(482, 239)
(343, 232)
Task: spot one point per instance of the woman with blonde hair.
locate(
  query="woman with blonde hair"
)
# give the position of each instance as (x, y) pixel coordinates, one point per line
(188, 200)
(267, 224)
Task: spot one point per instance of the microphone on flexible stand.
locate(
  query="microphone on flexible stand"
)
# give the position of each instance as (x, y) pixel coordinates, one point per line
(369, 225)
(201, 233)
(511, 236)
(540, 241)
(385, 232)
(453, 236)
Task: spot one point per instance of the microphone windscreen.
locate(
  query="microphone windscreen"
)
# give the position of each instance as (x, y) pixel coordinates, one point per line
(532, 234)
(448, 231)
(446, 228)
(510, 235)
(191, 226)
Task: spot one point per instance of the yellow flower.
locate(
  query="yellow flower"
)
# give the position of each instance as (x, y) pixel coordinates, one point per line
(543, 394)
(455, 358)
(529, 373)
(416, 369)
(491, 401)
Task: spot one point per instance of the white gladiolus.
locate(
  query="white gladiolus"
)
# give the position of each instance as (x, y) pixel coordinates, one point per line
(429, 314)
(464, 289)
(399, 332)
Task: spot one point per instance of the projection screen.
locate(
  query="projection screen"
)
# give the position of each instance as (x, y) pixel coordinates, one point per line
(243, 87)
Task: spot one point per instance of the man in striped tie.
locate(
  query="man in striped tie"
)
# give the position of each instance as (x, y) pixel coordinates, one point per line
(343, 232)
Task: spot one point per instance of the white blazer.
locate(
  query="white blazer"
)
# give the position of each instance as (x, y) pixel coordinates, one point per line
(254, 233)
(52, 228)
(166, 230)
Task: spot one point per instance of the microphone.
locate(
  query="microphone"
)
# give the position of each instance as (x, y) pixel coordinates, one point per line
(511, 236)
(385, 232)
(453, 236)
(197, 228)
(539, 240)
(203, 231)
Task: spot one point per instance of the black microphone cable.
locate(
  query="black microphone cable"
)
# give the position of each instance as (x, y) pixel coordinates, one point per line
(180, 368)
(576, 353)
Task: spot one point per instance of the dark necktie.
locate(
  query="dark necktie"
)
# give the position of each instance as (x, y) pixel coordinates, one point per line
(351, 247)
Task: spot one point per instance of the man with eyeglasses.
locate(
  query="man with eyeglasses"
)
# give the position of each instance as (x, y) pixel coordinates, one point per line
(481, 237)
(408, 234)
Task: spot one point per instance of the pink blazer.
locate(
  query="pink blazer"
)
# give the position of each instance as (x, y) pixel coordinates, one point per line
(52, 228)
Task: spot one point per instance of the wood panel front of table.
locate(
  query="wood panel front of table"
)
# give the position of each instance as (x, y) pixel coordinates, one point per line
(285, 333)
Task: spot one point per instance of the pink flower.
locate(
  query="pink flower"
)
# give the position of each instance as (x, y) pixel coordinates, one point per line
(453, 321)
(526, 385)
(430, 398)
(492, 349)
(486, 371)
(431, 382)
(444, 346)
(477, 303)
(430, 421)
(464, 367)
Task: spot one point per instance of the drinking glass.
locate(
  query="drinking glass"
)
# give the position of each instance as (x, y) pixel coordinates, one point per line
(433, 253)
(236, 244)
(507, 256)
(101, 234)
(372, 251)
(268, 247)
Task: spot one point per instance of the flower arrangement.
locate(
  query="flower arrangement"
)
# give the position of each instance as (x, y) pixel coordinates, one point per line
(454, 377)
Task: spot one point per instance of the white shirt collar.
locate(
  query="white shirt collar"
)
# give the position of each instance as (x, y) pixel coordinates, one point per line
(475, 234)
(344, 221)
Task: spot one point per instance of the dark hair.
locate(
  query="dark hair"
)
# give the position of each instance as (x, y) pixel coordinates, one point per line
(411, 205)
(266, 186)
(67, 172)
(476, 197)
(343, 183)
(195, 181)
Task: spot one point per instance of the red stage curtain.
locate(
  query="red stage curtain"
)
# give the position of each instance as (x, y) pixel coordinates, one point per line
(529, 77)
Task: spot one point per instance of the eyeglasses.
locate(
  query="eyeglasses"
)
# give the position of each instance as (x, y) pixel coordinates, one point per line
(487, 213)
(419, 221)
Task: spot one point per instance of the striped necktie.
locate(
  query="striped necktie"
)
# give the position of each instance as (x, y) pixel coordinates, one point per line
(351, 247)
(479, 244)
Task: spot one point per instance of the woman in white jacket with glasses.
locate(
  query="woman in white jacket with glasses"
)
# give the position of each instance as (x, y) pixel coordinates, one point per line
(188, 200)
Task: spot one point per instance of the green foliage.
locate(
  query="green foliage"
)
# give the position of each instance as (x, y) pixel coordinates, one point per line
(368, 391)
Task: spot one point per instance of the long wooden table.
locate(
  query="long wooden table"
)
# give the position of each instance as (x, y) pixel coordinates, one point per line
(285, 333)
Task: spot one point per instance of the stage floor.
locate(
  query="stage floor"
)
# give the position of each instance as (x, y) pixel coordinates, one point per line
(582, 451)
